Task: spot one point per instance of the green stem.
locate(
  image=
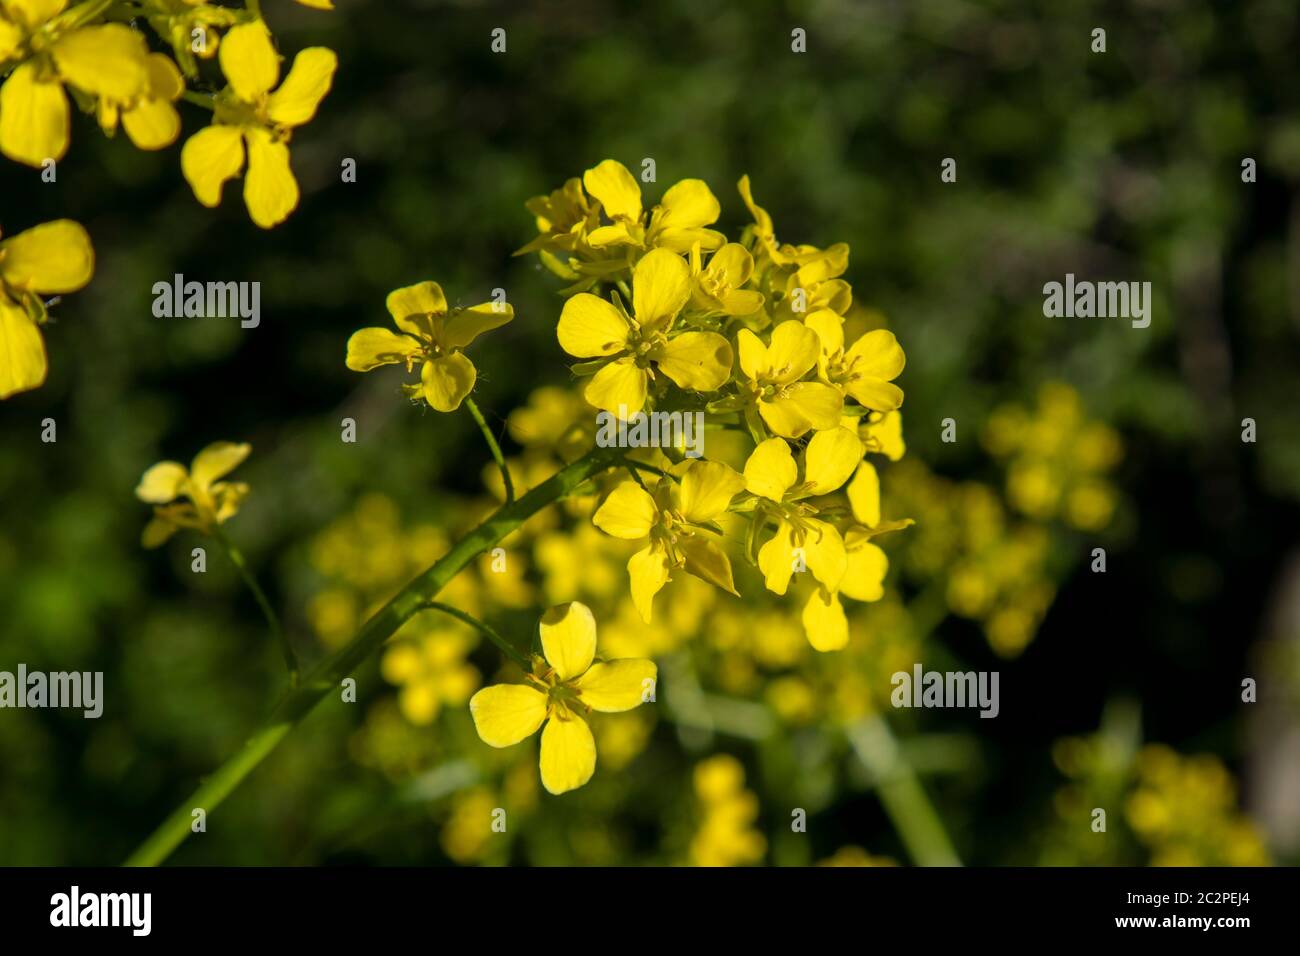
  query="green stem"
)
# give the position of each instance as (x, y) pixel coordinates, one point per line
(901, 794)
(272, 619)
(495, 448)
(326, 676)
(206, 100)
(490, 633)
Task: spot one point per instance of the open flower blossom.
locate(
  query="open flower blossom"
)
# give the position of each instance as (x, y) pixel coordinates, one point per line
(676, 224)
(560, 691)
(866, 371)
(255, 119)
(208, 501)
(635, 348)
(49, 259)
(720, 286)
(433, 337)
(677, 521)
(55, 49)
(774, 377)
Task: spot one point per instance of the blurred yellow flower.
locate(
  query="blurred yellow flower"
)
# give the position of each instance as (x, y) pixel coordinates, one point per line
(726, 835)
(210, 501)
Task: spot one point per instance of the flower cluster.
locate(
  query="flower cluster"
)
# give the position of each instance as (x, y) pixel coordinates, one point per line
(666, 314)
(53, 55)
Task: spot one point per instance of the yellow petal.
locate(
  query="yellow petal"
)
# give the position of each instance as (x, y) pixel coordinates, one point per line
(53, 257)
(629, 512)
(371, 348)
(615, 187)
(209, 158)
(707, 489)
(270, 191)
(829, 327)
(249, 60)
(875, 394)
(864, 579)
(590, 327)
(152, 124)
(829, 459)
(162, 483)
(465, 326)
(771, 470)
(761, 218)
(11, 38)
(792, 352)
(885, 435)
(33, 117)
(505, 714)
(688, 204)
(22, 351)
(864, 495)
(295, 102)
(696, 360)
(216, 461)
(733, 264)
(614, 686)
(410, 305)
(661, 285)
(878, 355)
(802, 406)
(317, 4)
(753, 355)
(568, 638)
(824, 550)
(156, 533)
(447, 380)
(824, 623)
(109, 60)
(648, 572)
(32, 14)
(618, 387)
(568, 754)
(776, 559)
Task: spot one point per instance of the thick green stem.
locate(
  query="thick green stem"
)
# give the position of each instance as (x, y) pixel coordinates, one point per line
(272, 619)
(327, 676)
(493, 447)
(914, 817)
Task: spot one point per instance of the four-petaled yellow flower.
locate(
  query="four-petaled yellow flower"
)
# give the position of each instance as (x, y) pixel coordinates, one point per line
(54, 50)
(210, 501)
(719, 287)
(677, 519)
(252, 116)
(677, 223)
(52, 258)
(434, 337)
(774, 373)
(639, 345)
(561, 689)
(801, 538)
(865, 372)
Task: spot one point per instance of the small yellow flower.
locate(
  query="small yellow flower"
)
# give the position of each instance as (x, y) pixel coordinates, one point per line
(789, 406)
(52, 258)
(150, 119)
(53, 51)
(676, 519)
(719, 287)
(568, 684)
(433, 337)
(210, 501)
(251, 118)
(865, 372)
(676, 224)
(636, 347)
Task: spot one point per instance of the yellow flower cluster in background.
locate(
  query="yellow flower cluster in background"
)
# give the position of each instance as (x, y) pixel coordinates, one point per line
(726, 833)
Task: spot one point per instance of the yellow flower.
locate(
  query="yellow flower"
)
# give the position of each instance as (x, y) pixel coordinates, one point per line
(788, 406)
(865, 372)
(676, 519)
(882, 434)
(727, 835)
(433, 336)
(108, 60)
(250, 117)
(52, 258)
(636, 347)
(558, 693)
(677, 223)
(150, 119)
(210, 501)
(718, 288)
